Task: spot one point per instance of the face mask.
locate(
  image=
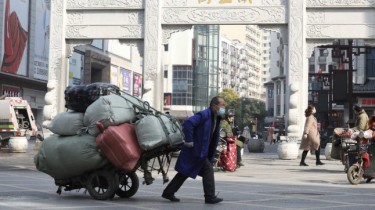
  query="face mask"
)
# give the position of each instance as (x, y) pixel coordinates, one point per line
(221, 111)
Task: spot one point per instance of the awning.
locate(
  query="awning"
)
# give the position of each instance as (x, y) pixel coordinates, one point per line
(181, 114)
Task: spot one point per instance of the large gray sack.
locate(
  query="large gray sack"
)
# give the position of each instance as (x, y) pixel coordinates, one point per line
(67, 123)
(70, 156)
(111, 110)
(154, 131)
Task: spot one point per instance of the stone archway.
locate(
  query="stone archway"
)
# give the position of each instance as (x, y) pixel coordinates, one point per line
(307, 23)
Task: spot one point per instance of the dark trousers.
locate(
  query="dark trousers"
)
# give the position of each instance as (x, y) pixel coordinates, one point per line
(317, 155)
(208, 180)
(239, 158)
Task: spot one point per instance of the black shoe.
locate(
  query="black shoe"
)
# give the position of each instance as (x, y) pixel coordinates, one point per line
(213, 200)
(319, 163)
(368, 180)
(303, 164)
(170, 197)
(240, 164)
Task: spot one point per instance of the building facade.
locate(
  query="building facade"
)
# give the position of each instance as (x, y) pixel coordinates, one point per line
(191, 72)
(276, 82)
(24, 49)
(248, 41)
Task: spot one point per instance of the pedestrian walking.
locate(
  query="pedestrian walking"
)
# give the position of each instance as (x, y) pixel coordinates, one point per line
(201, 135)
(311, 136)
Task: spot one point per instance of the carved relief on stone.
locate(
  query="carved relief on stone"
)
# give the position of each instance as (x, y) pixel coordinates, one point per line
(175, 3)
(168, 30)
(315, 31)
(274, 2)
(296, 37)
(71, 44)
(229, 15)
(104, 32)
(314, 16)
(175, 15)
(75, 18)
(137, 43)
(312, 44)
(74, 31)
(79, 17)
(152, 39)
(339, 3)
(296, 41)
(106, 4)
(152, 24)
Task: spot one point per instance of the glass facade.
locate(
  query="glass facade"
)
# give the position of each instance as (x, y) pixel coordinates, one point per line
(205, 64)
(182, 85)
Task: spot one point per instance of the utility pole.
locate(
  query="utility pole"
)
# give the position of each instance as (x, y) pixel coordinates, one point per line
(350, 77)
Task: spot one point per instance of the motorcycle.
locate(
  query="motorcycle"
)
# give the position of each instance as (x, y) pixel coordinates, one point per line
(361, 159)
(340, 144)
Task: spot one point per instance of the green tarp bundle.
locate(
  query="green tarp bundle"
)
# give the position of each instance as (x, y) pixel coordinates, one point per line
(68, 156)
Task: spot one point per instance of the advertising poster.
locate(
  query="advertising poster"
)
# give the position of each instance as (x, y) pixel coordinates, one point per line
(114, 76)
(41, 40)
(125, 78)
(15, 37)
(137, 85)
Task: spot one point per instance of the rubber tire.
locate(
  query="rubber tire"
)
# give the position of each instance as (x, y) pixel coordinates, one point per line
(124, 189)
(355, 175)
(102, 185)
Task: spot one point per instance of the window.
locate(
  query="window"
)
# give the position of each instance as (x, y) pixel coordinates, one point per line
(278, 89)
(166, 47)
(270, 92)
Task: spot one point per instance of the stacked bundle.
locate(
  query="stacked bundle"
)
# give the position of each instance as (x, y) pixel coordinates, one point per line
(121, 125)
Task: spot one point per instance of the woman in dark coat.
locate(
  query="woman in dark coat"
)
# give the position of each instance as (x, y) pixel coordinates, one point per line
(311, 136)
(196, 157)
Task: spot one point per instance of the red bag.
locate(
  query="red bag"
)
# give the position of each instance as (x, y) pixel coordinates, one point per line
(120, 145)
(228, 157)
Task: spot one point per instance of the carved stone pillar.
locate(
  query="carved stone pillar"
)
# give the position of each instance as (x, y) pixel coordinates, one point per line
(152, 51)
(54, 99)
(298, 69)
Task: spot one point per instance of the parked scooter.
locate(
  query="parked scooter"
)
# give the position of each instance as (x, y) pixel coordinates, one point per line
(362, 159)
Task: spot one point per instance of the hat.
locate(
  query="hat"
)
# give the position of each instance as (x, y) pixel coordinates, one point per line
(357, 108)
(230, 113)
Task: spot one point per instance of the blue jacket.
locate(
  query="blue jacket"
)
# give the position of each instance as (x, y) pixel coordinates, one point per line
(197, 129)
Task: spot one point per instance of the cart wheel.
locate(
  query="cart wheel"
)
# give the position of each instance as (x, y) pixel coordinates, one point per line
(355, 174)
(102, 185)
(129, 184)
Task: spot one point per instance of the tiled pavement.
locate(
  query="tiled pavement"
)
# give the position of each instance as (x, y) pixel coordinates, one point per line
(265, 182)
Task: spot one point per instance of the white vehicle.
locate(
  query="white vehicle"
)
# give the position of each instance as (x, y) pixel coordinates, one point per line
(17, 123)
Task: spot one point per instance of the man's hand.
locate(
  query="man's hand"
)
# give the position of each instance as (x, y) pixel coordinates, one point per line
(189, 144)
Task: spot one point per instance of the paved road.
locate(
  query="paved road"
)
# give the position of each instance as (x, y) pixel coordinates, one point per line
(265, 182)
